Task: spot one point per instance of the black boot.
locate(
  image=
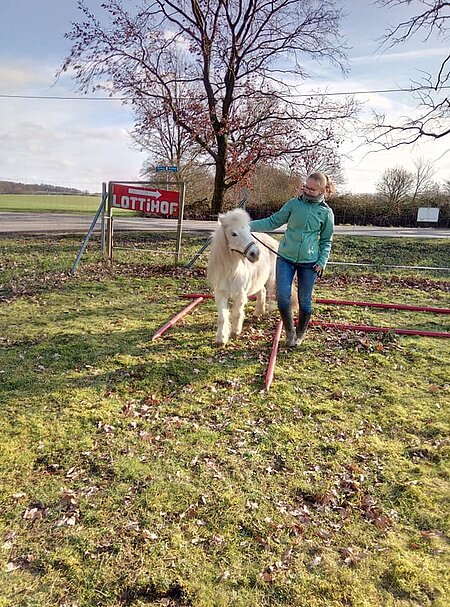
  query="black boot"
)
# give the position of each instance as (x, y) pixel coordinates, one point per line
(289, 327)
(302, 325)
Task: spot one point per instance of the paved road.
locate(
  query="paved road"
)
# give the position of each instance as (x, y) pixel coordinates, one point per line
(59, 223)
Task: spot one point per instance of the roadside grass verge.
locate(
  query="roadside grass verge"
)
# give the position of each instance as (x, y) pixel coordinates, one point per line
(159, 473)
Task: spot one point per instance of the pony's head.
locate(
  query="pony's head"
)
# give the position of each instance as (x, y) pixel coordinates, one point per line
(237, 234)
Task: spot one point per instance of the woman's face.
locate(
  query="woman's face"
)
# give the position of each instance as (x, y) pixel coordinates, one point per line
(312, 188)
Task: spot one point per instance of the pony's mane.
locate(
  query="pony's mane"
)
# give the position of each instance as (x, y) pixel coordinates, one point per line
(220, 258)
(238, 217)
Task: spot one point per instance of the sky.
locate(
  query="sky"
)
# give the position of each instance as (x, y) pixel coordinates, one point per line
(81, 143)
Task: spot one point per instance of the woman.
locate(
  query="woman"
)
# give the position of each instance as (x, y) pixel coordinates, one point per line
(304, 249)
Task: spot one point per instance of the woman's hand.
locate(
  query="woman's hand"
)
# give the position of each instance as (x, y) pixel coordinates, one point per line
(318, 268)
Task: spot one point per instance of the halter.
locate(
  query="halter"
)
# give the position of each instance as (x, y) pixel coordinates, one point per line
(246, 250)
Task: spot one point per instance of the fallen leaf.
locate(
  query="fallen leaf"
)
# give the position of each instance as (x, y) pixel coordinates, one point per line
(18, 496)
(69, 519)
(149, 535)
(68, 497)
(33, 513)
(8, 540)
(315, 562)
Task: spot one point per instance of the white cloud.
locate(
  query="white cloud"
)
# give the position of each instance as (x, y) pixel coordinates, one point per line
(73, 143)
(420, 53)
(22, 75)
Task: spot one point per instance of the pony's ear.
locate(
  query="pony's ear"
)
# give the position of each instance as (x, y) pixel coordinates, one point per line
(221, 216)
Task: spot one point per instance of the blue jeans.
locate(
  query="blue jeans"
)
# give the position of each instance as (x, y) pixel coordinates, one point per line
(306, 276)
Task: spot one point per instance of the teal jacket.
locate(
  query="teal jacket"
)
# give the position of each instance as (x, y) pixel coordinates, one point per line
(309, 232)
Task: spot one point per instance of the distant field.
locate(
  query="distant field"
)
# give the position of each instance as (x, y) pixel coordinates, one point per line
(52, 203)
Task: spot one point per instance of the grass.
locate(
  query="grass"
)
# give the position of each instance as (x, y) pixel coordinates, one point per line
(159, 473)
(52, 203)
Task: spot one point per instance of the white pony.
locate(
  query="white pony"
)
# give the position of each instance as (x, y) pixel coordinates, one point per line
(238, 268)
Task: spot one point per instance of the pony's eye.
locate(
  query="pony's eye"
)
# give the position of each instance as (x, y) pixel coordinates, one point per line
(233, 234)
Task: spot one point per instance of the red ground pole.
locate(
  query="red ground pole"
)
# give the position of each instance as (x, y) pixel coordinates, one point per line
(375, 304)
(345, 302)
(177, 317)
(273, 356)
(198, 297)
(369, 329)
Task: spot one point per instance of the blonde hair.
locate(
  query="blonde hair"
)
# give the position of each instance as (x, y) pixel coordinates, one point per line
(325, 182)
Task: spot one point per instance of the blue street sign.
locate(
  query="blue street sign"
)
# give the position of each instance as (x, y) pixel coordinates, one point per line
(166, 168)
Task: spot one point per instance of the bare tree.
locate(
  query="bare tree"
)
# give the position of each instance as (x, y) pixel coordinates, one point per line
(423, 177)
(272, 185)
(395, 185)
(431, 119)
(156, 131)
(164, 140)
(327, 160)
(446, 187)
(237, 97)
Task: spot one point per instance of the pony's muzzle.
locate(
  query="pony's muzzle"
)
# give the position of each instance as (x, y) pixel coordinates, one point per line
(253, 253)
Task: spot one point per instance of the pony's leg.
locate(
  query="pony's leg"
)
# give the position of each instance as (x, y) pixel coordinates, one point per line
(223, 321)
(237, 313)
(260, 307)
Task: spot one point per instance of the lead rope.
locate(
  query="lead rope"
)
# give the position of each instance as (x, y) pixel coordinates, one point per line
(319, 274)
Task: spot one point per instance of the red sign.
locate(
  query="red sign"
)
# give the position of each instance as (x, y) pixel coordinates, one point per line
(145, 199)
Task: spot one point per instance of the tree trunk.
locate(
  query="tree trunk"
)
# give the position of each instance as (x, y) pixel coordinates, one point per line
(220, 175)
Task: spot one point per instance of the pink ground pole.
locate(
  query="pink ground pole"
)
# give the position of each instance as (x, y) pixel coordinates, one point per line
(177, 317)
(273, 356)
(370, 329)
(375, 304)
(345, 302)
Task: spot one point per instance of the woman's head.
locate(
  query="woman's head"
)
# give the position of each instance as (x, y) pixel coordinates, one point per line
(318, 185)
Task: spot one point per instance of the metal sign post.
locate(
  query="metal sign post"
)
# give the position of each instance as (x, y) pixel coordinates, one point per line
(84, 244)
(109, 226)
(167, 170)
(102, 228)
(180, 224)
